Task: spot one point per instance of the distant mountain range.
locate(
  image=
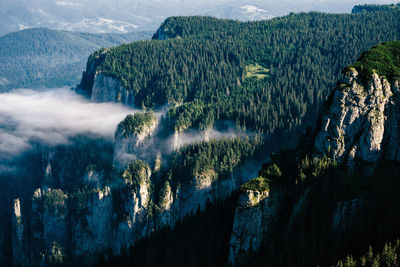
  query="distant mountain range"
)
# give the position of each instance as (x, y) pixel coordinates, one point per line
(123, 16)
(49, 58)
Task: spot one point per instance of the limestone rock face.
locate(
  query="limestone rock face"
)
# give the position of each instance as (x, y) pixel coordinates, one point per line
(180, 138)
(100, 87)
(167, 217)
(130, 146)
(17, 241)
(135, 223)
(109, 89)
(362, 121)
(196, 194)
(255, 214)
(106, 219)
(49, 224)
(92, 225)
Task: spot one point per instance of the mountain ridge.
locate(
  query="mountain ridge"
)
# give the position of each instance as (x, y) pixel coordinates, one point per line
(247, 80)
(49, 58)
(339, 190)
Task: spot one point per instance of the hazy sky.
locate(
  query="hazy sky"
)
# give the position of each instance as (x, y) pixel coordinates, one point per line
(148, 14)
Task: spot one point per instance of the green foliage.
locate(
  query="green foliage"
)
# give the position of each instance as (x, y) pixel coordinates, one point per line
(55, 200)
(191, 115)
(137, 173)
(220, 157)
(373, 8)
(260, 184)
(272, 172)
(256, 70)
(55, 255)
(187, 26)
(388, 257)
(71, 161)
(135, 124)
(312, 168)
(383, 59)
(313, 204)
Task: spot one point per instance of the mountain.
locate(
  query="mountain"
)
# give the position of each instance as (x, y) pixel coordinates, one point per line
(212, 100)
(343, 181)
(366, 8)
(50, 58)
(362, 125)
(125, 16)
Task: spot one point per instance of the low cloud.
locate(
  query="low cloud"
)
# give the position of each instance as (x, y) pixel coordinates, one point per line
(52, 117)
(194, 136)
(159, 145)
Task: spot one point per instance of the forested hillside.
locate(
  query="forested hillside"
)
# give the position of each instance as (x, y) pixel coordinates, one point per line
(270, 76)
(216, 97)
(340, 202)
(49, 58)
(369, 8)
(328, 213)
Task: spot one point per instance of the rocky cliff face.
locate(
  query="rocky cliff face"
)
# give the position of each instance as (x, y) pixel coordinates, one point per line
(106, 215)
(49, 225)
(92, 224)
(109, 89)
(362, 122)
(359, 127)
(133, 139)
(18, 244)
(256, 214)
(136, 196)
(101, 87)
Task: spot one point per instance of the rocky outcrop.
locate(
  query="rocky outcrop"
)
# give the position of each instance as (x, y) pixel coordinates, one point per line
(18, 244)
(133, 139)
(107, 212)
(109, 89)
(135, 196)
(101, 87)
(92, 227)
(362, 121)
(256, 214)
(49, 225)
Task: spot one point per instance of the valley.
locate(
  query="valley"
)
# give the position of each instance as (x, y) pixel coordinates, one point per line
(218, 142)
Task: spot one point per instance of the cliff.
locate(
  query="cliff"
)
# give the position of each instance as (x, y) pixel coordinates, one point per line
(101, 87)
(18, 242)
(133, 139)
(361, 122)
(98, 212)
(256, 213)
(336, 183)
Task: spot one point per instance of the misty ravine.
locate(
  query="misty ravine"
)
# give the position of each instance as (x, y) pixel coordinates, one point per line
(55, 138)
